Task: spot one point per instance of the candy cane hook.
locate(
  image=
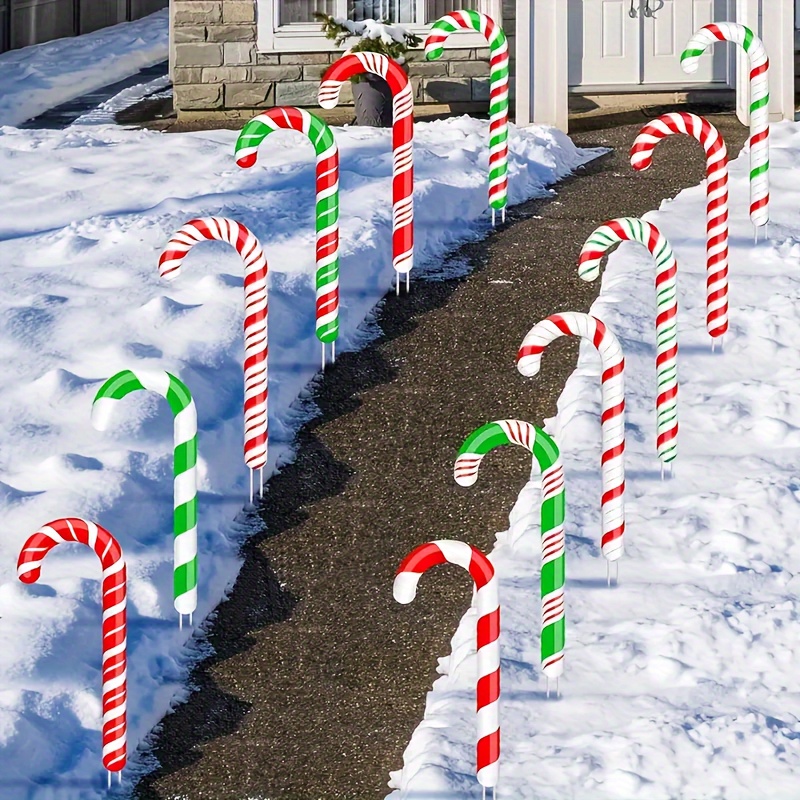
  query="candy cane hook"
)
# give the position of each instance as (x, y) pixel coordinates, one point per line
(255, 321)
(184, 461)
(114, 595)
(327, 203)
(486, 598)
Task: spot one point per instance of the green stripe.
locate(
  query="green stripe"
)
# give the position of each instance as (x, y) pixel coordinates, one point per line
(119, 385)
(692, 53)
(748, 38)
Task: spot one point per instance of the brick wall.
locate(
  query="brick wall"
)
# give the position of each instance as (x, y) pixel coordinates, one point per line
(217, 68)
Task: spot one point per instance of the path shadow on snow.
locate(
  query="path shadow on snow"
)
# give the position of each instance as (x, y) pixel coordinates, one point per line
(257, 599)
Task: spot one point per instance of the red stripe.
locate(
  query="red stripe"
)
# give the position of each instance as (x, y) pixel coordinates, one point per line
(488, 689)
(612, 452)
(488, 750)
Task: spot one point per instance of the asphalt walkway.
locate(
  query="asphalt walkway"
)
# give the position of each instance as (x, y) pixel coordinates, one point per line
(319, 676)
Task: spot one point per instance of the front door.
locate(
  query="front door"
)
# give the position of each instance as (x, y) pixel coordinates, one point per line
(666, 31)
(630, 43)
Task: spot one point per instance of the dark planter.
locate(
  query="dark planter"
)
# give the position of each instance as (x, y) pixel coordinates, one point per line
(373, 101)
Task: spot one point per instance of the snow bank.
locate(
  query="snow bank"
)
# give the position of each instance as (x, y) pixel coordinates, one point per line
(37, 78)
(681, 681)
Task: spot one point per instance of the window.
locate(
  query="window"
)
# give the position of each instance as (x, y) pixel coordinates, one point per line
(289, 25)
(404, 12)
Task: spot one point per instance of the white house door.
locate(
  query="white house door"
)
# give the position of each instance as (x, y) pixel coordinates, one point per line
(667, 30)
(639, 42)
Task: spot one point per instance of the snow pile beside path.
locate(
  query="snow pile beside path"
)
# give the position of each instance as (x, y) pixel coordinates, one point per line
(37, 78)
(84, 214)
(682, 681)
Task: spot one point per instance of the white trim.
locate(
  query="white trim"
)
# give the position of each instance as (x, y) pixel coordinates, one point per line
(542, 63)
(306, 37)
(647, 88)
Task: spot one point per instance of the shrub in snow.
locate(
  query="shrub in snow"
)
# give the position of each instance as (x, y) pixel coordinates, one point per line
(374, 37)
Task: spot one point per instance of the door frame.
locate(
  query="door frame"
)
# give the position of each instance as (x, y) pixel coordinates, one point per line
(542, 42)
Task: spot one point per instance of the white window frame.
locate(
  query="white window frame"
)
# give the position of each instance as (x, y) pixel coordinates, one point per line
(306, 37)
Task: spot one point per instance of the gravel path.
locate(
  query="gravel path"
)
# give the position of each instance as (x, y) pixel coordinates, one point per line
(319, 677)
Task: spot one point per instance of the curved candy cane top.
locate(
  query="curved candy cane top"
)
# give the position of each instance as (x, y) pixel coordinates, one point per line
(613, 407)
(285, 118)
(677, 122)
(464, 20)
(447, 551)
(502, 432)
(630, 229)
(218, 229)
(164, 383)
(29, 564)
(725, 32)
(572, 323)
(487, 603)
(378, 64)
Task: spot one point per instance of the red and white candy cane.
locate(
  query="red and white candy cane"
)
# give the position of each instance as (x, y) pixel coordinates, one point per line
(402, 136)
(114, 595)
(486, 599)
(255, 321)
(612, 420)
(716, 203)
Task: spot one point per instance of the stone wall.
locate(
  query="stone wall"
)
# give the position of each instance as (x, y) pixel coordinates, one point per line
(217, 68)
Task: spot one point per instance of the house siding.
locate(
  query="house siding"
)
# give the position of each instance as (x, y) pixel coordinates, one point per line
(217, 67)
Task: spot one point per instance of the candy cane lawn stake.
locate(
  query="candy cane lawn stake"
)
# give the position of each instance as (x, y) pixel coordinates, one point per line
(716, 203)
(184, 462)
(255, 321)
(546, 453)
(487, 603)
(327, 203)
(637, 230)
(759, 104)
(402, 135)
(114, 593)
(498, 92)
(591, 329)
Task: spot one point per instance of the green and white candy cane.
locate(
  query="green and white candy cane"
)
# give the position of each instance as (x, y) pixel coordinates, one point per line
(184, 467)
(759, 104)
(498, 92)
(546, 454)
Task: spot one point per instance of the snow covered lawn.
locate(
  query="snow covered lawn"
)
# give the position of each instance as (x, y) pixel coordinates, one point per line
(85, 213)
(681, 682)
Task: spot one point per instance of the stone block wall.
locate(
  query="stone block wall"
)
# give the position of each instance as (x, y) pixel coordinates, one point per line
(217, 68)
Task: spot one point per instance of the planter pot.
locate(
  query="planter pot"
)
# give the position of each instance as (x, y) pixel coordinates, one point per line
(373, 101)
